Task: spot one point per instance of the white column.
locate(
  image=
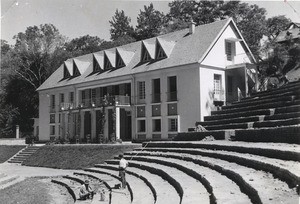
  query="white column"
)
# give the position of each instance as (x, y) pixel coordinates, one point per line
(17, 131)
(93, 125)
(117, 123)
(82, 124)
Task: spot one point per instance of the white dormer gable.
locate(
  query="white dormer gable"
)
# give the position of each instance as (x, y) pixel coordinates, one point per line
(149, 45)
(98, 60)
(81, 65)
(109, 59)
(123, 57)
(166, 45)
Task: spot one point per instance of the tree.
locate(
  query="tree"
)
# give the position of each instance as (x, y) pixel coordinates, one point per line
(275, 25)
(83, 45)
(120, 25)
(33, 50)
(149, 23)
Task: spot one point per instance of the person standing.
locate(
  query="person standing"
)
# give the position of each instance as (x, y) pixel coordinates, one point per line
(123, 164)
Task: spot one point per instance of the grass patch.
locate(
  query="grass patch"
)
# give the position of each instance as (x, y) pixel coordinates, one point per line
(30, 190)
(76, 156)
(7, 151)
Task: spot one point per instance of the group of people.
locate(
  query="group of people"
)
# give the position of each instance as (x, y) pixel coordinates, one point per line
(86, 191)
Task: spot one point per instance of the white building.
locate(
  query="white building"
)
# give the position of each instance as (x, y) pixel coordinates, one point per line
(153, 88)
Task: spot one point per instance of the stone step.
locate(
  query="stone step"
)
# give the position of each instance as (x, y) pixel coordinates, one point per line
(197, 136)
(240, 114)
(285, 88)
(213, 180)
(287, 171)
(140, 192)
(267, 188)
(15, 161)
(289, 134)
(286, 97)
(276, 104)
(280, 151)
(164, 191)
(261, 124)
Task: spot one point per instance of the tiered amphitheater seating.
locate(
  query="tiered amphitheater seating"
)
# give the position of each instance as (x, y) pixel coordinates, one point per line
(209, 172)
(269, 116)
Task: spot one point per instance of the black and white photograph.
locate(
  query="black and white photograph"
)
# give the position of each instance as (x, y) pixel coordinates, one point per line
(150, 102)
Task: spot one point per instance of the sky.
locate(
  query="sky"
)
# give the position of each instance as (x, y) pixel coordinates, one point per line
(75, 18)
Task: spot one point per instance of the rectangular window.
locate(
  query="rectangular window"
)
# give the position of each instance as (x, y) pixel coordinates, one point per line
(52, 101)
(173, 124)
(71, 97)
(52, 129)
(141, 126)
(172, 88)
(229, 50)
(156, 90)
(52, 118)
(156, 123)
(217, 87)
(93, 93)
(141, 90)
(62, 98)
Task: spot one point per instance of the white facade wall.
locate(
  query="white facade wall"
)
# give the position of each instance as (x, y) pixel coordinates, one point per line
(207, 88)
(217, 57)
(188, 99)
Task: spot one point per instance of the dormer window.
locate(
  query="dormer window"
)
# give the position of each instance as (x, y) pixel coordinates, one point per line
(96, 66)
(66, 72)
(160, 54)
(230, 50)
(119, 61)
(107, 64)
(75, 70)
(145, 57)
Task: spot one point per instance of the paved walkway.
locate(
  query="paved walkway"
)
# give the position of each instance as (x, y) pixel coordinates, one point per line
(27, 171)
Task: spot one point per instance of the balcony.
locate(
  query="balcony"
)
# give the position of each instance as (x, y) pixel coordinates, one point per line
(172, 96)
(66, 106)
(106, 101)
(156, 98)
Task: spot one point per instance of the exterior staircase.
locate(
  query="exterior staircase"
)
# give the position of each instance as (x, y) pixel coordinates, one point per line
(268, 116)
(22, 155)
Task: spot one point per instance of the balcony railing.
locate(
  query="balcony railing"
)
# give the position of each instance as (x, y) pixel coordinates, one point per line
(156, 98)
(172, 96)
(66, 106)
(106, 101)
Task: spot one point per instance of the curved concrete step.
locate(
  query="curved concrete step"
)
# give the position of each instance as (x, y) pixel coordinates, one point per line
(65, 183)
(164, 191)
(268, 188)
(287, 171)
(213, 179)
(112, 179)
(193, 190)
(281, 151)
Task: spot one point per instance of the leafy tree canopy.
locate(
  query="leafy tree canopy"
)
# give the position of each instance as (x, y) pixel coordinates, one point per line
(120, 25)
(149, 22)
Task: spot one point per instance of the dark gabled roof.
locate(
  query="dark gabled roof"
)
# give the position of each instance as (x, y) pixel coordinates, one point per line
(180, 47)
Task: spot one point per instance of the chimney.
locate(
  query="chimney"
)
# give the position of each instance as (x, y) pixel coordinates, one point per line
(192, 27)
